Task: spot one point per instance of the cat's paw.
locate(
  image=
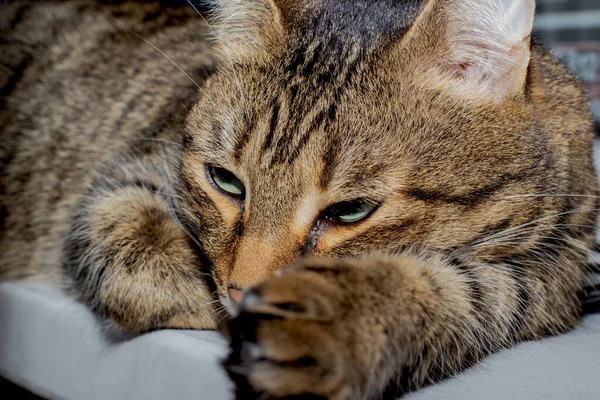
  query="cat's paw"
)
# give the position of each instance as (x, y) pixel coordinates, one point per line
(290, 339)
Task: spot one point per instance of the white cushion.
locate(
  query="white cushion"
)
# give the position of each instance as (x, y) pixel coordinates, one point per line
(58, 349)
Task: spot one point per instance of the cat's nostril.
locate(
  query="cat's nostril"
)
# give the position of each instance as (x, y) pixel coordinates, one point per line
(236, 295)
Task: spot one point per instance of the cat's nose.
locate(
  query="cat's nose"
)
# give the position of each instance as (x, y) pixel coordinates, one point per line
(236, 295)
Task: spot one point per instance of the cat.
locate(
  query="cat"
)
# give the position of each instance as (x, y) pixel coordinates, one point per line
(369, 195)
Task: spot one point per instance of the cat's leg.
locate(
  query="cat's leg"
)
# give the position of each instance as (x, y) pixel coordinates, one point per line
(362, 329)
(128, 259)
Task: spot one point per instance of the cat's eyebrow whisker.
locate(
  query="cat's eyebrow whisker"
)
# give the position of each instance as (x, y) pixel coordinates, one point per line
(212, 31)
(168, 58)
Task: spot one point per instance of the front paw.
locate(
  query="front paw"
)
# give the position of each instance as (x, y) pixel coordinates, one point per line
(290, 339)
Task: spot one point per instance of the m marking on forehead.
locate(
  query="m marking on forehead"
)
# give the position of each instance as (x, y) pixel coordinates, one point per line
(311, 104)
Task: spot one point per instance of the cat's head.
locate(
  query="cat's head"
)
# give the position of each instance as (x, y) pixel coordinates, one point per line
(347, 127)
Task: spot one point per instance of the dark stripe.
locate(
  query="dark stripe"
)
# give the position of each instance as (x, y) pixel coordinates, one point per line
(101, 272)
(293, 90)
(455, 262)
(272, 126)
(309, 66)
(517, 272)
(315, 124)
(14, 80)
(329, 162)
(243, 138)
(323, 117)
(471, 199)
(20, 15)
(332, 112)
(476, 292)
(296, 61)
(303, 141)
(145, 185)
(350, 73)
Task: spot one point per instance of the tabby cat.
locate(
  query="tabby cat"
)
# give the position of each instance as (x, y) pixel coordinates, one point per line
(380, 192)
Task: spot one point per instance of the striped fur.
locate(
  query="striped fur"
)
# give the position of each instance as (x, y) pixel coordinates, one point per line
(475, 148)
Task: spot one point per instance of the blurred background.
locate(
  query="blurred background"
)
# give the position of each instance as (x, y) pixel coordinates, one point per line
(572, 29)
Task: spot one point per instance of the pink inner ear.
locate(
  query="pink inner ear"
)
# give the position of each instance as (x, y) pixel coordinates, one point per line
(488, 43)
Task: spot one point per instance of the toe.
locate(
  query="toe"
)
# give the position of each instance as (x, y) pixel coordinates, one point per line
(300, 295)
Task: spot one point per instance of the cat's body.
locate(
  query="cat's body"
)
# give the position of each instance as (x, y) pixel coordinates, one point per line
(79, 88)
(476, 160)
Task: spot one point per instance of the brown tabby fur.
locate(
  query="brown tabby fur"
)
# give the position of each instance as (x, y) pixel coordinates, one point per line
(487, 209)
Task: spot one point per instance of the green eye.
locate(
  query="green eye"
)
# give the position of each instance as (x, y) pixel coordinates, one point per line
(350, 211)
(227, 182)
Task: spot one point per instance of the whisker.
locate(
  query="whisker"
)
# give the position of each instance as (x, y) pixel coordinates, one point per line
(573, 211)
(204, 19)
(516, 243)
(168, 58)
(512, 235)
(218, 313)
(212, 302)
(222, 318)
(552, 195)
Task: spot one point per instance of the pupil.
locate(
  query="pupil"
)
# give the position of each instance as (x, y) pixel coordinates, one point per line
(354, 208)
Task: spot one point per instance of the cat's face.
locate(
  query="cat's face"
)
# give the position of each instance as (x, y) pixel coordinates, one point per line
(336, 148)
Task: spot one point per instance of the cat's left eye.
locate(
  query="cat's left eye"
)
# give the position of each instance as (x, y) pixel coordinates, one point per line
(349, 212)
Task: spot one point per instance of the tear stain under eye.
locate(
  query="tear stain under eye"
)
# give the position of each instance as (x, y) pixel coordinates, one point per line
(313, 237)
(239, 226)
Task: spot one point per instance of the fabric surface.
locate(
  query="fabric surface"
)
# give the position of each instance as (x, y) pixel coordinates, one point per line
(57, 348)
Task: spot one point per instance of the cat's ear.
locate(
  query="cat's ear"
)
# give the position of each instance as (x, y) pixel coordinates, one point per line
(247, 29)
(481, 48)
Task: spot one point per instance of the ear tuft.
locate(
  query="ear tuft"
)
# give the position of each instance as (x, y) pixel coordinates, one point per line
(247, 29)
(484, 50)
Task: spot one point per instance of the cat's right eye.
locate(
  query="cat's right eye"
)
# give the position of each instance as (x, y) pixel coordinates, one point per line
(350, 212)
(227, 182)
